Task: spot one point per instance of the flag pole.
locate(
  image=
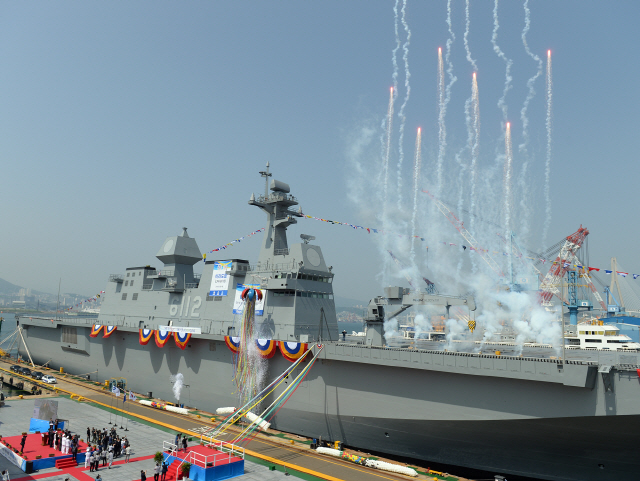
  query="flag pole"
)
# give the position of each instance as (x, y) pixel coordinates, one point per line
(125, 396)
(124, 401)
(110, 405)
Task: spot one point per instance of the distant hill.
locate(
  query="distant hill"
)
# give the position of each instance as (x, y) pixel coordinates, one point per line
(7, 288)
(343, 302)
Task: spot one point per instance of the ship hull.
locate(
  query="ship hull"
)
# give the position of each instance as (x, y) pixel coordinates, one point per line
(503, 425)
(550, 449)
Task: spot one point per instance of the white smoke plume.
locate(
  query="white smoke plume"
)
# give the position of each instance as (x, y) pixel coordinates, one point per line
(455, 329)
(451, 256)
(422, 322)
(178, 383)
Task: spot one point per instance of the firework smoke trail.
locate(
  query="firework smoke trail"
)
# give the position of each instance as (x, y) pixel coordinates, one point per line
(407, 75)
(530, 83)
(508, 172)
(394, 55)
(442, 144)
(472, 112)
(523, 187)
(466, 36)
(475, 147)
(462, 165)
(442, 132)
(547, 165)
(502, 105)
(387, 150)
(416, 188)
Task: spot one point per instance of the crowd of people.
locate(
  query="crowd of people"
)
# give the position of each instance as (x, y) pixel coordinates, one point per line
(62, 440)
(104, 446)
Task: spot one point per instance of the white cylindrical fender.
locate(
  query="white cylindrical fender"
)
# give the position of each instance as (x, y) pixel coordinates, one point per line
(330, 452)
(264, 425)
(145, 402)
(176, 410)
(393, 468)
(229, 410)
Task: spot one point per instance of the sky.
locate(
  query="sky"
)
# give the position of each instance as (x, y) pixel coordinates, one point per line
(122, 122)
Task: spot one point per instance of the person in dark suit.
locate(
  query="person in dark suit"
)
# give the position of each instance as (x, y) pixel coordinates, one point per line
(22, 441)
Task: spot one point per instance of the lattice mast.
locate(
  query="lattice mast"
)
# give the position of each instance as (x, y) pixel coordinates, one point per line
(584, 274)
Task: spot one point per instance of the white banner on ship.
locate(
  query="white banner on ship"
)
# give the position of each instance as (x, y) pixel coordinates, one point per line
(220, 278)
(238, 303)
(180, 329)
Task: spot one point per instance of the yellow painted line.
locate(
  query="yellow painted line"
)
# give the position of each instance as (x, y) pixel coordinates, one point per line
(325, 459)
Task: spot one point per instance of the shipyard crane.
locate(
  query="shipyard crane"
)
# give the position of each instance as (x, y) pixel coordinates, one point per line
(431, 287)
(559, 267)
(459, 225)
(584, 273)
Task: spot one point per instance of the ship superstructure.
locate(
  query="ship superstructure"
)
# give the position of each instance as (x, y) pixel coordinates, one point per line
(526, 414)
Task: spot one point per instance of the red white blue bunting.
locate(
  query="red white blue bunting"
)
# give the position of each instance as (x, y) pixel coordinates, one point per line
(266, 348)
(108, 330)
(292, 350)
(162, 337)
(145, 336)
(95, 330)
(233, 343)
(181, 339)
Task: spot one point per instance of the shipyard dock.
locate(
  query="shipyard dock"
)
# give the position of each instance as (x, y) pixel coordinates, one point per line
(280, 451)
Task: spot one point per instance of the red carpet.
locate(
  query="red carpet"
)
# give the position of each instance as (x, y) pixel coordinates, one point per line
(33, 446)
(80, 472)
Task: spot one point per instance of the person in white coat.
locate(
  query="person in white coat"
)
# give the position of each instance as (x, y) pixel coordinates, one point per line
(87, 457)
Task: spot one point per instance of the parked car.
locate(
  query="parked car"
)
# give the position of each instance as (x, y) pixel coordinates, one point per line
(49, 379)
(36, 375)
(25, 371)
(15, 368)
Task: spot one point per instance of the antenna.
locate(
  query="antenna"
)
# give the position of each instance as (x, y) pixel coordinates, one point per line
(306, 238)
(266, 174)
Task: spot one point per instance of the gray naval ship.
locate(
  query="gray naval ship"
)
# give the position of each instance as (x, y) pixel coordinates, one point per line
(554, 419)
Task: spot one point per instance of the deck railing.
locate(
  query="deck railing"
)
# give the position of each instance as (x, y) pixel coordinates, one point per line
(223, 453)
